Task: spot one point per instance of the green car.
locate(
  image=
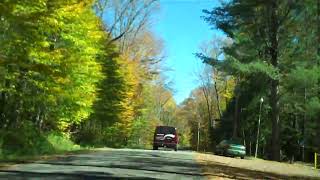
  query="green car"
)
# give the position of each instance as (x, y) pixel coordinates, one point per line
(233, 148)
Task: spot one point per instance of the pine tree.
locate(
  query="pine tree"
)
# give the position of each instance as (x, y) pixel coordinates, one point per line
(258, 30)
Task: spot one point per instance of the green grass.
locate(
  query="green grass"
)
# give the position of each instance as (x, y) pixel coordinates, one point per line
(61, 143)
(29, 158)
(25, 147)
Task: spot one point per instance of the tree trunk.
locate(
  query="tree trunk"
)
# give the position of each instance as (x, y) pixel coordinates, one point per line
(250, 146)
(225, 90)
(304, 124)
(3, 105)
(275, 121)
(274, 99)
(208, 105)
(218, 100)
(198, 136)
(217, 93)
(318, 63)
(236, 117)
(2, 108)
(244, 138)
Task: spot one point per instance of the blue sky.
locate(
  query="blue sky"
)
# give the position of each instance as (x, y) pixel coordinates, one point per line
(183, 30)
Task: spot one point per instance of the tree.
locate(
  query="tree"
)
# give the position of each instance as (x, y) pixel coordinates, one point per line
(125, 19)
(243, 20)
(41, 65)
(49, 69)
(268, 45)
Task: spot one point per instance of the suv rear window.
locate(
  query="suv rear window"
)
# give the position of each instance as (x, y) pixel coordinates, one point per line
(165, 130)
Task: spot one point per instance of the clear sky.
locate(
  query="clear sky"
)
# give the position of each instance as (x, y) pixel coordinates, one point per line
(183, 30)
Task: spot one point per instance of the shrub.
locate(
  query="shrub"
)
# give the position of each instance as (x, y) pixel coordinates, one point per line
(61, 142)
(30, 142)
(27, 142)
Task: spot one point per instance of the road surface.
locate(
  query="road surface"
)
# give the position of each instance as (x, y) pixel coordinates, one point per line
(111, 164)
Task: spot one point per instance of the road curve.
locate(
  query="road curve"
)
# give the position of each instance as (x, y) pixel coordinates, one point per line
(111, 164)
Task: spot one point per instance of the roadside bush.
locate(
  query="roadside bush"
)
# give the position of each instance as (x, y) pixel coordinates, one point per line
(112, 137)
(61, 142)
(30, 142)
(27, 142)
(88, 137)
(141, 136)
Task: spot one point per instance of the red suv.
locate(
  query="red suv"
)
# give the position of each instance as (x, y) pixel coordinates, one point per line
(165, 136)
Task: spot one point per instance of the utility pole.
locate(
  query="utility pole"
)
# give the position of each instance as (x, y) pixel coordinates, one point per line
(257, 142)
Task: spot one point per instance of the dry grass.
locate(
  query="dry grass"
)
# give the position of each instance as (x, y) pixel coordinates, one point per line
(218, 167)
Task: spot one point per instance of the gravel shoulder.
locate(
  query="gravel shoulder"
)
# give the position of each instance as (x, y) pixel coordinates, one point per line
(219, 167)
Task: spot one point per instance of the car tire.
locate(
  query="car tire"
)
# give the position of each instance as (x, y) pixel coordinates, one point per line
(155, 147)
(175, 148)
(217, 152)
(242, 157)
(224, 153)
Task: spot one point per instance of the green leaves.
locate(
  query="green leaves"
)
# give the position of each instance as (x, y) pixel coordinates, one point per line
(54, 57)
(313, 107)
(256, 67)
(272, 55)
(303, 77)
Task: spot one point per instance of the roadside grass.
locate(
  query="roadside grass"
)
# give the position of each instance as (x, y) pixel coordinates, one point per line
(25, 148)
(62, 143)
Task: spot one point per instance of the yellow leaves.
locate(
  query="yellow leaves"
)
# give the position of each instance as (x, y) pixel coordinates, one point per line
(75, 8)
(89, 50)
(145, 46)
(95, 34)
(52, 99)
(227, 95)
(39, 56)
(44, 44)
(82, 114)
(171, 104)
(128, 102)
(62, 80)
(57, 90)
(26, 8)
(63, 125)
(52, 22)
(52, 49)
(227, 91)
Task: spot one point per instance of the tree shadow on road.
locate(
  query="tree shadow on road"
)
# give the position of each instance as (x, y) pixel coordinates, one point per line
(55, 175)
(102, 165)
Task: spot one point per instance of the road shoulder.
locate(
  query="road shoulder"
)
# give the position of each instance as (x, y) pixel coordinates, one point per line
(215, 167)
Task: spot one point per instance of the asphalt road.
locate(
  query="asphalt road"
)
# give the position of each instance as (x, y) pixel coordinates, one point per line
(111, 164)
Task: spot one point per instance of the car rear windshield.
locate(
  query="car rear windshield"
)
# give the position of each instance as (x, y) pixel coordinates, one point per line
(235, 141)
(165, 130)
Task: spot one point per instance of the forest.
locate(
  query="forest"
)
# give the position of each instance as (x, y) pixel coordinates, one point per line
(265, 69)
(79, 73)
(90, 73)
